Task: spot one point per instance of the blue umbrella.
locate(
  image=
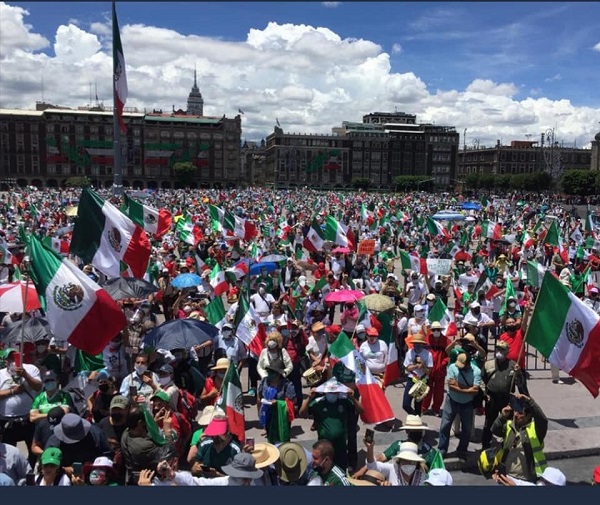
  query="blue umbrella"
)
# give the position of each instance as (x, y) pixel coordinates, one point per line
(471, 206)
(183, 281)
(257, 267)
(448, 216)
(180, 334)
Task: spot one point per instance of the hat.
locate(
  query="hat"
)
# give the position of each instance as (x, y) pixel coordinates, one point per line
(470, 337)
(418, 308)
(243, 466)
(517, 404)
(187, 309)
(265, 454)
(292, 462)
(88, 269)
(471, 320)
(218, 426)
(439, 477)
(403, 308)
(119, 402)
(360, 328)
(49, 375)
(321, 266)
(369, 478)
(161, 395)
(502, 256)
(165, 369)
(430, 297)
(436, 326)
(461, 360)
(554, 476)
(318, 326)
(275, 368)
(372, 331)
(208, 413)
(409, 451)
(475, 305)
(319, 308)
(302, 280)
(102, 462)
(222, 364)
(51, 456)
(418, 338)
(55, 414)
(501, 344)
(72, 429)
(414, 423)
(228, 326)
(593, 289)
(333, 329)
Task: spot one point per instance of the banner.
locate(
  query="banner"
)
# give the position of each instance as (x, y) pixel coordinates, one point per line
(366, 247)
(436, 266)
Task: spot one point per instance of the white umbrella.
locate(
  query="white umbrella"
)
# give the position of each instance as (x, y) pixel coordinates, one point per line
(12, 294)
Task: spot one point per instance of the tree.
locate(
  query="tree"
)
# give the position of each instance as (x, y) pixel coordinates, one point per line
(78, 182)
(579, 182)
(472, 181)
(185, 171)
(361, 183)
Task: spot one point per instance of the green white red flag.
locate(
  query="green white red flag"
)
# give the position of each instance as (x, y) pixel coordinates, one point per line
(436, 229)
(218, 281)
(535, 273)
(248, 327)
(439, 312)
(120, 77)
(567, 332)
(335, 232)
(315, 238)
(187, 231)
(154, 221)
(231, 402)
(491, 230)
(410, 261)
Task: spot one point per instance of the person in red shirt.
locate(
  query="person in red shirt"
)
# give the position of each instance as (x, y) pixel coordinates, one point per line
(462, 255)
(437, 346)
(320, 272)
(513, 336)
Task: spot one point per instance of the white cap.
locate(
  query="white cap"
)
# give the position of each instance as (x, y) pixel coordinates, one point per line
(360, 328)
(474, 305)
(439, 477)
(554, 476)
(418, 308)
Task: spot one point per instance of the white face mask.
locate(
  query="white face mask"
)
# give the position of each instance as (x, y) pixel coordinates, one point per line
(331, 397)
(272, 344)
(140, 369)
(261, 291)
(227, 334)
(437, 333)
(163, 381)
(408, 469)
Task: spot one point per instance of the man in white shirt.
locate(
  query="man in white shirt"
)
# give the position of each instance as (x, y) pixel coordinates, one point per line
(374, 351)
(465, 278)
(337, 264)
(418, 364)
(262, 302)
(593, 300)
(415, 291)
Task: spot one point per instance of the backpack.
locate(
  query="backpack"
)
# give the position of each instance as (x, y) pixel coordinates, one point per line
(187, 405)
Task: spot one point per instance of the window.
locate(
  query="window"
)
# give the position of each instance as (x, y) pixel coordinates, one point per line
(165, 134)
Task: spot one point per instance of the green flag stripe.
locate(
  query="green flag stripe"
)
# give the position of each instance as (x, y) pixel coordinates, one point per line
(46, 263)
(89, 225)
(342, 346)
(135, 211)
(215, 310)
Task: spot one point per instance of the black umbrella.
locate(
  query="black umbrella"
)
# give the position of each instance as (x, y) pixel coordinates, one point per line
(36, 328)
(120, 288)
(180, 334)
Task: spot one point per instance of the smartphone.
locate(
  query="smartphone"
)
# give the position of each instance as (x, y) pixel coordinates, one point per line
(77, 468)
(501, 468)
(250, 442)
(17, 359)
(369, 436)
(30, 479)
(132, 393)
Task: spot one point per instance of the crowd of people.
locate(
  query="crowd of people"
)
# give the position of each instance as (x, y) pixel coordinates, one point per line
(135, 415)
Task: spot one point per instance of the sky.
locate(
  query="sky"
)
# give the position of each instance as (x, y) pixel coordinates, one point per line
(501, 70)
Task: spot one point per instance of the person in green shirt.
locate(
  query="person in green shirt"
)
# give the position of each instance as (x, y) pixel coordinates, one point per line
(51, 397)
(266, 278)
(216, 449)
(324, 468)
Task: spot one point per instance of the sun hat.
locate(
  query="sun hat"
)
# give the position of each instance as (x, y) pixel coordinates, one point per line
(243, 466)
(207, 415)
(331, 386)
(469, 337)
(51, 456)
(436, 326)
(409, 451)
(318, 326)
(218, 426)
(161, 395)
(418, 338)
(119, 402)
(292, 462)
(430, 297)
(265, 454)
(554, 476)
(72, 429)
(439, 477)
(222, 364)
(369, 478)
(414, 423)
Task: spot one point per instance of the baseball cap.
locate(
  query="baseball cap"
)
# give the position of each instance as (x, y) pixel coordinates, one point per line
(161, 395)
(51, 456)
(439, 477)
(554, 476)
(119, 402)
(166, 369)
(55, 414)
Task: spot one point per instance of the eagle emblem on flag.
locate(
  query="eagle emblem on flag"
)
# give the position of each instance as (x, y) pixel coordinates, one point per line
(575, 332)
(114, 239)
(69, 296)
(150, 219)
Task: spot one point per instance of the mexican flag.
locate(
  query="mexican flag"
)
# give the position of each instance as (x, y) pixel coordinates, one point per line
(154, 221)
(535, 273)
(56, 244)
(105, 237)
(248, 327)
(77, 309)
(392, 371)
(232, 404)
(217, 280)
(237, 271)
(230, 225)
(376, 405)
(553, 238)
(439, 312)
(410, 262)
(508, 293)
(315, 238)
(215, 312)
(187, 231)
(492, 230)
(436, 229)
(335, 232)
(567, 332)
(528, 240)
(119, 74)
(364, 215)
(589, 224)
(6, 257)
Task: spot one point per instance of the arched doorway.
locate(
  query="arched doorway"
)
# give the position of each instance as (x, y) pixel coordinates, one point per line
(21, 183)
(51, 183)
(152, 185)
(126, 184)
(165, 185)
(193, 185)
(108, 184)
(138, 185)
(37, 183)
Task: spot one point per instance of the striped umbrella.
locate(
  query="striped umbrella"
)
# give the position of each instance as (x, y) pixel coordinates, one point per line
(12, 295)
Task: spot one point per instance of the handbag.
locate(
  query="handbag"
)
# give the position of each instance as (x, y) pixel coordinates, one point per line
(478, 398)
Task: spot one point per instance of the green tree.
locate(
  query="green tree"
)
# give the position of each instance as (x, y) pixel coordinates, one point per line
(502, 181)
(579, 182)
(78, 182)
(185, 172)
(472, 181)
(361, 183)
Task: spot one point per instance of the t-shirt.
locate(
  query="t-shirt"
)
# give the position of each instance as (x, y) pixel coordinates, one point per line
(111, 431)
(331, 420)
(196, 436)
(17, 405)
(43, 432)
(60, 399)
(208, 456)
(374, 355)
(465, 377)
(335, 477)
(410, 358)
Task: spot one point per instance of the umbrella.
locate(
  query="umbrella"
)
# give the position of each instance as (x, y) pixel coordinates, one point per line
(187, 280)
(378, 303)
(342, 250)
(64, 230)
(12, 294)
(71, 211)
(273, 258)
(36, 328)
(180, 334)
(441, 216)
(256, 268)
(343, 296)
(120, 288)
(471, 206)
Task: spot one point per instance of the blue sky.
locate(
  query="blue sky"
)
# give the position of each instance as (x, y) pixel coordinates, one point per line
(530, 65)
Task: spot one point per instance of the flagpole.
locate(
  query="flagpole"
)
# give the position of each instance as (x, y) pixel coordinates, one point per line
(117, 188)
(26, 262)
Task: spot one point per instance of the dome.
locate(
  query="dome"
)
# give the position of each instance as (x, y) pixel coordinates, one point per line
(597, 137)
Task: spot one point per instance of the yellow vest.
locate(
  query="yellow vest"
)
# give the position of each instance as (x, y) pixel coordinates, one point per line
(539, 459)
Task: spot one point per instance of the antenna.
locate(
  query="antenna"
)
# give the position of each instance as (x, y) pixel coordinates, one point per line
(90, 93)
(96, 93)
(42, 87)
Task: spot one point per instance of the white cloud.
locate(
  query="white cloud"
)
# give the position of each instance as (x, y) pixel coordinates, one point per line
(556, 77)
(309, 77)
(597, 47)
(331, 5)
(396, 49)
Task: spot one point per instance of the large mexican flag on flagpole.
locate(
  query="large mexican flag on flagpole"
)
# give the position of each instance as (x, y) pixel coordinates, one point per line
(231, 402)
(377, 409)
(154, 221)
(315, 238)
(567, 332)
(77, 309)
(215, 312)
(218, 281)
(120, 77)
(105, 237)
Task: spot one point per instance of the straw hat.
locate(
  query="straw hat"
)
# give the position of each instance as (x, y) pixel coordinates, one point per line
(222, 364)
(292, 462)
(369, 478)
(409, 451)
(436, 326)
(265, 454)
(414, 423)
(418, 339)
(318, 326)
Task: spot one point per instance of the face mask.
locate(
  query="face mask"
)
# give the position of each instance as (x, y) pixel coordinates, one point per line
(418, 348)
(227, 334)
(294, 333)
(163, 381)
(408, 469)
(430, 304)
(320, 334)
(476, 312)
(437, 333)
(41, 348)
(418, 315)
(272, 344)
(50, 385)
(331, 397)
(103, 388)
(261, 291)
(361, 336)
(97, 477)
(140, 369)
(512, 305)
(500, 356)
(117, 417)
(285, 333)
